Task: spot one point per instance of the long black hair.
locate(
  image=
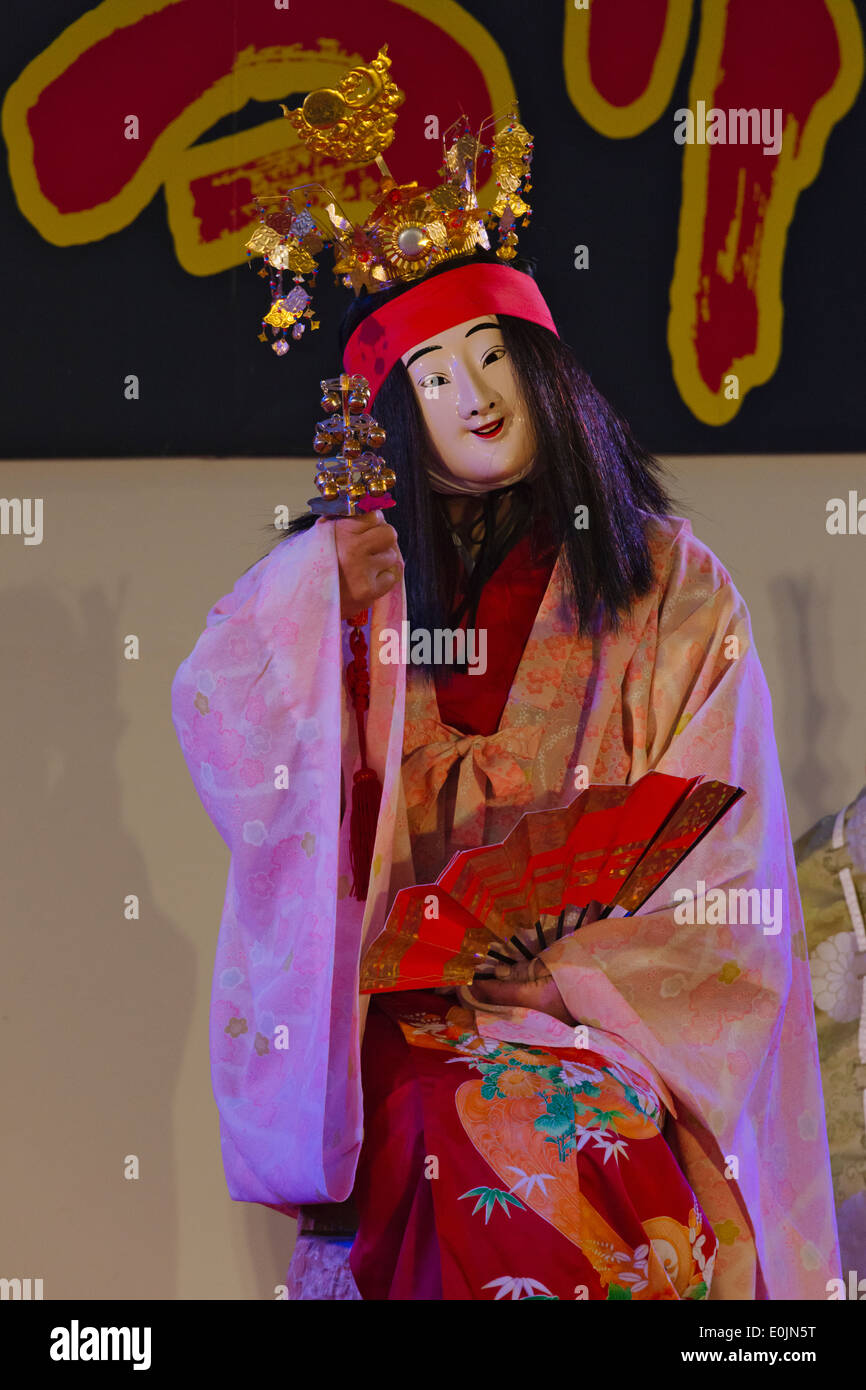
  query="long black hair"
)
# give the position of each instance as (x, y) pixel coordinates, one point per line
(586, 456)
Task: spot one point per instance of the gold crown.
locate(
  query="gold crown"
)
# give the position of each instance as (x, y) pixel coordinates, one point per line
(410, 229)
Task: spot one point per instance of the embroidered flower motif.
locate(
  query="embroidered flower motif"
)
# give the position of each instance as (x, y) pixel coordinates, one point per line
(707, 1270)
(636, 1276)
(315, 955)
(575, 1073)
(207, 740)
(251, 772)
(301, 997)
(834, 985)
(256, 709)
(738, 1063)
(514, 1083)
(286, 632)
(525, 1057)
(261, 885)
(810, 1256)
(726, 1232)
(254, 832)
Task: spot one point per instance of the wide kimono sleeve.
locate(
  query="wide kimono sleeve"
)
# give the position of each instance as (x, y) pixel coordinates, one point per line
(262, 716)
(713, 987)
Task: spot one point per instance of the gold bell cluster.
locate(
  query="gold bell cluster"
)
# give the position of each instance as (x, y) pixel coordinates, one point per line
(349, 436)
(411, 229)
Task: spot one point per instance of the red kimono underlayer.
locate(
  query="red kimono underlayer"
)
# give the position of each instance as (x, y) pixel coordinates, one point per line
(508, 606)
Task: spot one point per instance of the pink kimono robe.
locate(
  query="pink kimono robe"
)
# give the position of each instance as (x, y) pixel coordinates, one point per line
(715, 1014)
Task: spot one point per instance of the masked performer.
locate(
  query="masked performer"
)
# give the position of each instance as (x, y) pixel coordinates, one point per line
(673, 1146)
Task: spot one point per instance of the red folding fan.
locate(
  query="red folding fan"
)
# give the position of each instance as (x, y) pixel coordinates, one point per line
(613, 845)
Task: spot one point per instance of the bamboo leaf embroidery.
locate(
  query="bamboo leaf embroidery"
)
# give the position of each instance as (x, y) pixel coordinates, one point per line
(489, 1198)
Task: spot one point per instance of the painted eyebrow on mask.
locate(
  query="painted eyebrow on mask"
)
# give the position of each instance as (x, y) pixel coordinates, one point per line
(437, 347)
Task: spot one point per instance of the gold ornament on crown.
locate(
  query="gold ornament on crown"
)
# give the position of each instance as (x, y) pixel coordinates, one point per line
(353, 122)
(411, 229)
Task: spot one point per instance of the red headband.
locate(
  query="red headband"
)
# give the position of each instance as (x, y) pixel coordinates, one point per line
(435, 305)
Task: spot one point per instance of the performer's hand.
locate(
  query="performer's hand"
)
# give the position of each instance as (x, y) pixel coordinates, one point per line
(528, 984)
(370, 560)
(525, 985)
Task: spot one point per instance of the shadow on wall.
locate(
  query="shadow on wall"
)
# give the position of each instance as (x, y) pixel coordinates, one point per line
(97, 1010)
(810, 704)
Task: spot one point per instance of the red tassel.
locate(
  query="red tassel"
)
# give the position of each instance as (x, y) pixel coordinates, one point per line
(366, 797)
(366, 789)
